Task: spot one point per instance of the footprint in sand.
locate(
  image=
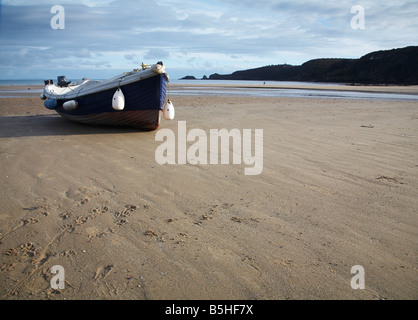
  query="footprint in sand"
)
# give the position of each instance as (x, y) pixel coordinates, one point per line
(126, 211)
(121, 222)
(102, 271)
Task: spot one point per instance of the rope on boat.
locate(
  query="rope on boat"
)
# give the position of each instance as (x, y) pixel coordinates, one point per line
(143, 67)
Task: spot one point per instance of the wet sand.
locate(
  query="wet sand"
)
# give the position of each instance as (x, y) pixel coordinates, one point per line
(338, 189)
(312, 86)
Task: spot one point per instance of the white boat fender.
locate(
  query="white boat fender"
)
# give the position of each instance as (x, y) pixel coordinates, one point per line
(70, 105)
(50, 104)
(168, 111)
(118, 101)
(158, 68)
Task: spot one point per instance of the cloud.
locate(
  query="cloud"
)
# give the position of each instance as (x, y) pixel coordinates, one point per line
(83, 53)
(157, 54)
(130, 57)
(212, 34)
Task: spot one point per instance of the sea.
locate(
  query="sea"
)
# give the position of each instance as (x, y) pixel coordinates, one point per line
(220, 88)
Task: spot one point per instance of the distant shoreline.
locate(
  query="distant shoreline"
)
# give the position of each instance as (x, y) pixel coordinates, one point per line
(396, 66)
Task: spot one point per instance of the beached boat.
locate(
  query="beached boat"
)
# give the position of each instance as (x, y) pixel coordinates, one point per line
(133, 99)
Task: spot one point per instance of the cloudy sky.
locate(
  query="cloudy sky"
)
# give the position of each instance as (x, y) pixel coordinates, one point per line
(192, 37)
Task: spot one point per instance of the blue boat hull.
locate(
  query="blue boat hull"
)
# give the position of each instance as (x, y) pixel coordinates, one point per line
(144, 101)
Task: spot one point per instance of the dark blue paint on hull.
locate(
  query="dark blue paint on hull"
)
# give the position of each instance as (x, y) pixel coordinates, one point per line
(144, 100)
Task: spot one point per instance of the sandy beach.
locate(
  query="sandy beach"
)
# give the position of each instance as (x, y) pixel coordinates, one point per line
(338, 189)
